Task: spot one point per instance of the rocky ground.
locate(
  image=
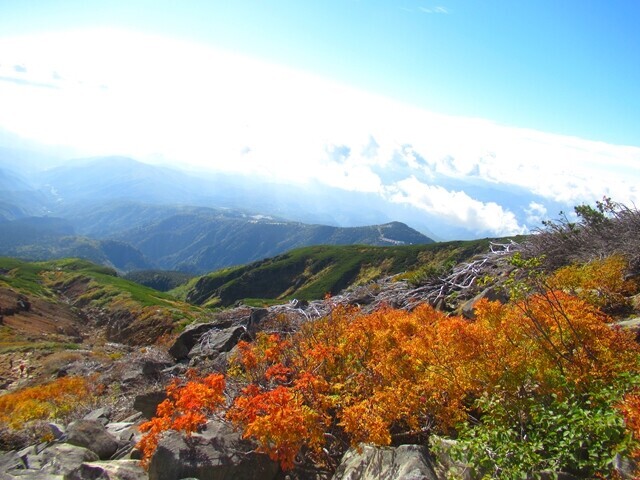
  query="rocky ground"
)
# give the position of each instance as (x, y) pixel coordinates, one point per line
(99, 442)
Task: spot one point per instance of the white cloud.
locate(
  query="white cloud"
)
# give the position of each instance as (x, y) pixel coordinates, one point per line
(439, 9)
(152, 97)
(456, 207)
(536, 213)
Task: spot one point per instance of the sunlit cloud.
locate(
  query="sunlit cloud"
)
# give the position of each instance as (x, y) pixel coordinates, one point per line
(152, 97)
(456, 206)
(536, 213)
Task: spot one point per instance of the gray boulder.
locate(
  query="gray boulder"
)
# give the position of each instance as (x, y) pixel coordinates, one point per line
(187, 339)
(100, 414)
(147, 403)
(492, 294)
(216, 341)
(406, 462)
(92, 434)
(114, 470)
(218, 453)
(58, 459)
(11, 460)
(445, 465)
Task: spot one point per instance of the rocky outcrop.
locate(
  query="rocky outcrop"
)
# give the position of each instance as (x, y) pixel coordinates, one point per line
(92, 434)
(115, 470)
(406, 462)
(187, 340)
(217, 341)
(147, 403)
(218, 453)
(46, 461)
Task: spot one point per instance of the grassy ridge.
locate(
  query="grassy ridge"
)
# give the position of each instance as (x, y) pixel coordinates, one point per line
(142, 314)
(311, 272)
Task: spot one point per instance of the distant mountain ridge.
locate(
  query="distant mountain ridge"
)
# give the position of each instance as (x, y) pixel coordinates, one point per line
(188, 239)
(198, 242)
(130, 216)
(46, 238)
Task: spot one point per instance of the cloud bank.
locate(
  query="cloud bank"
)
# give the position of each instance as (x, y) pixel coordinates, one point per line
(165, 100)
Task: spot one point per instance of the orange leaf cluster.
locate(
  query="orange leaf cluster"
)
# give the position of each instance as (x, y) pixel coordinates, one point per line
(187, 407)
(368, 376)
(600, 282)
(51, 400)
(279, 420)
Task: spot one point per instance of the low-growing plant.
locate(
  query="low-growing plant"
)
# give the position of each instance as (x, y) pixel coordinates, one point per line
(58, 399)
(578, 434)
(187, 407)
(546, 363)
(600, 282)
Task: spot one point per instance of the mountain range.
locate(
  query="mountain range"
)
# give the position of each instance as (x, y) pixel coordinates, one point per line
(133, 216)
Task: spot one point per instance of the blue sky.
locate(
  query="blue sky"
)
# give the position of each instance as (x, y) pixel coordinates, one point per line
(569, 67)
(486, 115)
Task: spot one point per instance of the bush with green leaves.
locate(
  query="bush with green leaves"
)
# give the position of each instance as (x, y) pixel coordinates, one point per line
(578, 433)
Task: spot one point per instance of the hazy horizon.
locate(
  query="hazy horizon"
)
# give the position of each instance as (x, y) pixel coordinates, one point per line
(483, 117)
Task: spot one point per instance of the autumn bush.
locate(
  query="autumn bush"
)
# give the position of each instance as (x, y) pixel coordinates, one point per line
(54, 400)
(187, 407)
(391, 375)
(601, 282)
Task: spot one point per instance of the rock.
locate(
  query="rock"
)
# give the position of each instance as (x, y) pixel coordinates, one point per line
(62, 458)
(100, 414)
(147, 403)
(32, 456)
(255, 319)
(30, 475)
(625, 467)
(134, 417)
(218, 453)
(124, 432)
(56, 430)
(154, 368)
(58, 459)
(217, 341)
(177, 370)
(142, 371)
(10, 461)
(114, 470)
(187, 339)
(492, 294)
(406, 462)
(92, 434)
(445, 466)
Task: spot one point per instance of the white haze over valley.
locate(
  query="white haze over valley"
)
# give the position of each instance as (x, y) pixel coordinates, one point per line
(108, 92)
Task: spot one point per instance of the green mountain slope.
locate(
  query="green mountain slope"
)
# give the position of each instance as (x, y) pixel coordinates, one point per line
(207, 240)
(311, 272)
(45, 238)
(127, 311)
(161, 280)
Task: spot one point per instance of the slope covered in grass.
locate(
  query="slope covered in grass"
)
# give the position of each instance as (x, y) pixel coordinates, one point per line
(312, 272)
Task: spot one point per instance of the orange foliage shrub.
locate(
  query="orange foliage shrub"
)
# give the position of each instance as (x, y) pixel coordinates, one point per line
(56, 399)
(353, 377)
(342, 373)
(600, 282)
(186, 409)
